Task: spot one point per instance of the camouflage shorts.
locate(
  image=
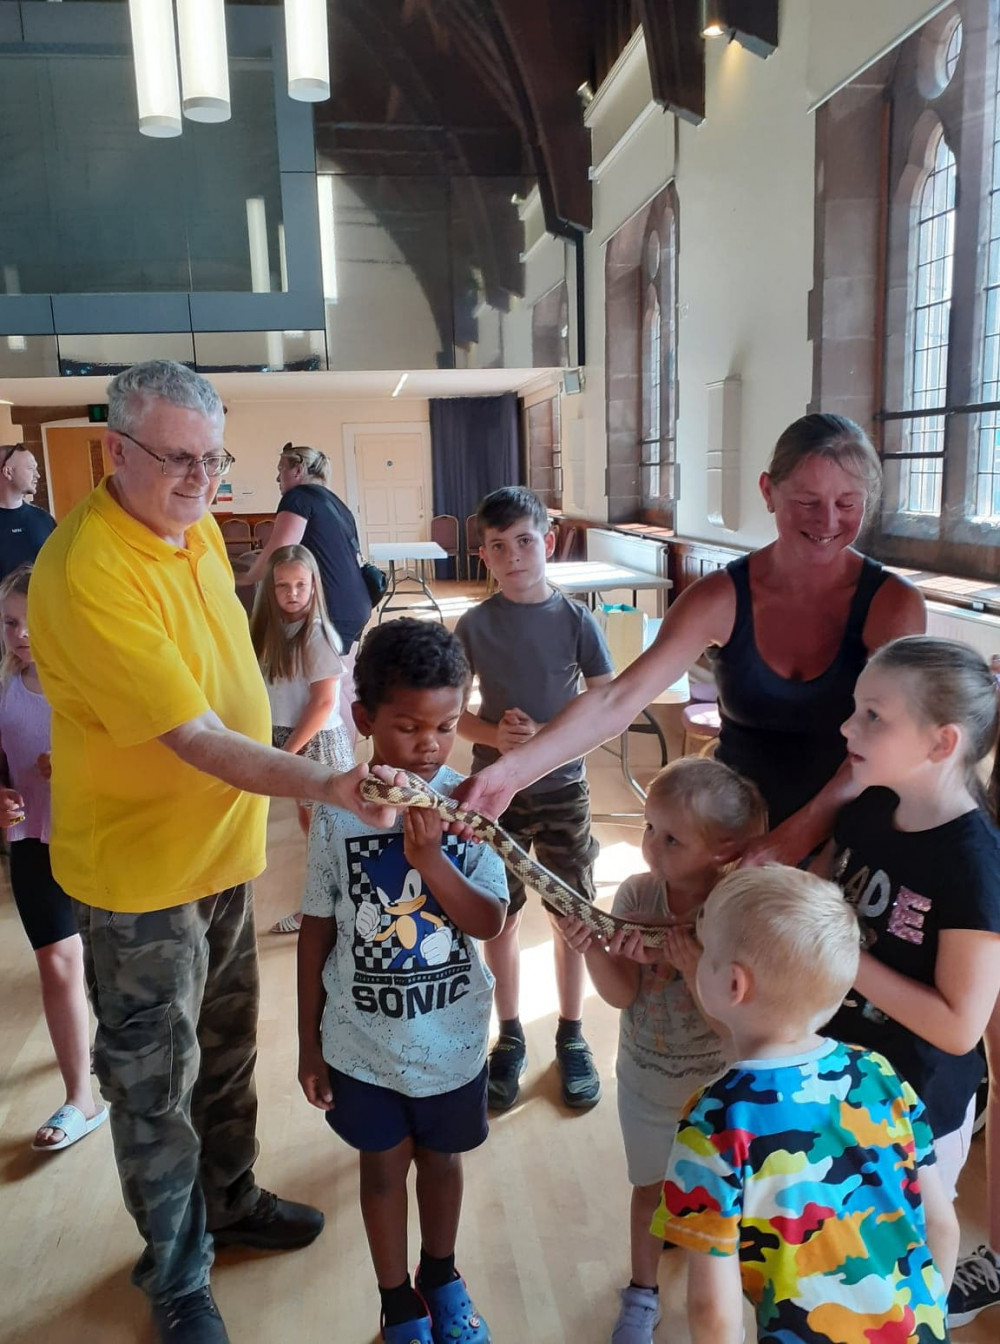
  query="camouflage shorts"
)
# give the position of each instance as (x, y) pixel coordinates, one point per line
(557, 825)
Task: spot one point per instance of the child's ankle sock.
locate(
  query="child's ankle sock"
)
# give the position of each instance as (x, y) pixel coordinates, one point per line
(644, 1287)
(401, 1304)
(435, 1272)
(569, 1029)
(511, 1026)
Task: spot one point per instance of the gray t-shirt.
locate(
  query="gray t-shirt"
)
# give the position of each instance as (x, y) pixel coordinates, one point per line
(666, 1049)
(408, 995)
(531, 656)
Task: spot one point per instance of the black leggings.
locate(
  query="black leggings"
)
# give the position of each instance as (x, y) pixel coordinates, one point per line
(45, 909)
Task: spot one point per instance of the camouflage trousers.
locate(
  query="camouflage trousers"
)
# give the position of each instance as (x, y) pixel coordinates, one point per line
(175, 993)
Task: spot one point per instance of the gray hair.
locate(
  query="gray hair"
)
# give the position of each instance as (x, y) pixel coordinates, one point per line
(129, 392)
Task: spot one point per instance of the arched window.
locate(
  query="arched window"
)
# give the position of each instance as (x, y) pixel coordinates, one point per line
(908, 311)
(986, 494)
(640, 277)
(652, 408)
(933, 250)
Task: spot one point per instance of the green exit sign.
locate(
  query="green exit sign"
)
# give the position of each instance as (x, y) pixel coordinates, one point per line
(98, 415)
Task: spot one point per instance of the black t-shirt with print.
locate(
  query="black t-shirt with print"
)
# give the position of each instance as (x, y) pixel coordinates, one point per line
(22, 533)
(907, 886)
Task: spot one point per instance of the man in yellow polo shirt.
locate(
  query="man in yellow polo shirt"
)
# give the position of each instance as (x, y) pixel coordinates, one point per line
(160, 771)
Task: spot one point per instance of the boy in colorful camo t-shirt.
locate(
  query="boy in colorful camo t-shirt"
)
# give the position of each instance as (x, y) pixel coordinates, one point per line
(804, 1176)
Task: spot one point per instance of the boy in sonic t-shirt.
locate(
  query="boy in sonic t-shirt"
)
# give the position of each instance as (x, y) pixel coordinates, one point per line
(394, 999)
(804, 1177)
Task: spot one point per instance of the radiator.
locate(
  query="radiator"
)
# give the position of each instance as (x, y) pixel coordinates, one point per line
(977, 628)
(641, 553)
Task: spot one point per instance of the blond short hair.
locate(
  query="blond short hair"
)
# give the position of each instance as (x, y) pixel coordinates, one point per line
(794, 931)
(721, 803)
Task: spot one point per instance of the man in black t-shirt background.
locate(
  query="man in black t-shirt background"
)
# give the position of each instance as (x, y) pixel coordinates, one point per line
(23, 526)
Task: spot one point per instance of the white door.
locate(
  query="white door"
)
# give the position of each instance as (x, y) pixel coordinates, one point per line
(391, 488)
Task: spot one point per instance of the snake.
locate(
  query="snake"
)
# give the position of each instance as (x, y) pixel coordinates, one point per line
(556, 895)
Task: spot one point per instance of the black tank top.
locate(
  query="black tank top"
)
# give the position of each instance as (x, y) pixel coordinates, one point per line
(785, 735)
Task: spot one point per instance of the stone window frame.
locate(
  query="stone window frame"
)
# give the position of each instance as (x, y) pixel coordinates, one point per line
(641, 261)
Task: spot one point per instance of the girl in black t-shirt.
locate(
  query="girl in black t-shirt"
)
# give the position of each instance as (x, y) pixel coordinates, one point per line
(919, 858)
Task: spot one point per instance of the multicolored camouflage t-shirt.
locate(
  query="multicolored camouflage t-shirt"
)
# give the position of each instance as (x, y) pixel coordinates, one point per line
(808, 1169)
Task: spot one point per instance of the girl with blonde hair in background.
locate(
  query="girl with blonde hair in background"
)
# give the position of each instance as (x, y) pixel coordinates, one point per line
(299, 654)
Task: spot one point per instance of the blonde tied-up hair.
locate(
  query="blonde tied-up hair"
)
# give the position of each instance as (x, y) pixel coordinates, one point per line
(282, 658)
(794, 931)
(836, 439)
(15, 582)
(949, 682)
(313, 462)
(724, 805)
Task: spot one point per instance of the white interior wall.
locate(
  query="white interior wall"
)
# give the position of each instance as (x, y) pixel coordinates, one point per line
(745, 183)
(257, 430)
(745, 188)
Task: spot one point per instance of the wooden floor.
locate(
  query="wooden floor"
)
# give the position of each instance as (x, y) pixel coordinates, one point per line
(544, 1236)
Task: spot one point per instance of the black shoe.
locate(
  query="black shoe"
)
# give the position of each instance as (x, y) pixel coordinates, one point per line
(508, 1060)
(191, 1319)
(581, 1085)
(975, 1287)
(273, 1225)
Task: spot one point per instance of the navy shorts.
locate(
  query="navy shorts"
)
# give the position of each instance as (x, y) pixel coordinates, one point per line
(374, 1119)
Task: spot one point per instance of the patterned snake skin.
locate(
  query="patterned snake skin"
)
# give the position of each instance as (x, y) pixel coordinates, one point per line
(556, 895)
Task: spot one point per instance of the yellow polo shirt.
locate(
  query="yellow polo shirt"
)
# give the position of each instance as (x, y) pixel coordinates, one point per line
(132, 637)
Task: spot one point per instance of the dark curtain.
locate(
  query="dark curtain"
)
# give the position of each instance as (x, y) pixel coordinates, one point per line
(475, 448)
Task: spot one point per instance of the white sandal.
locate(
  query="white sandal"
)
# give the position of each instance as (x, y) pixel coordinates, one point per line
(74, 1125)
(288, 923)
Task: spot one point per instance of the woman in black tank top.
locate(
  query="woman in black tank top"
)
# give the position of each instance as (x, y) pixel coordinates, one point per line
(784, 733)
(789, 629)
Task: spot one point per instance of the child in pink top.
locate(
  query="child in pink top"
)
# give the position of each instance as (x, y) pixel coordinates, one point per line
(45, 909)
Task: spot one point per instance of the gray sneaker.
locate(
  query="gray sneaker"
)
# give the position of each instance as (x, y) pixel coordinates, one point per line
(638, 1318)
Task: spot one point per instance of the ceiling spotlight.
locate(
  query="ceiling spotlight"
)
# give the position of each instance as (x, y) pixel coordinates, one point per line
(585, 93)
(713, 19)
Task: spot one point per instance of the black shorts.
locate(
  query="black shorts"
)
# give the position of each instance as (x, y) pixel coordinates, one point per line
(557, 824)
(45, 909)
(374, 1119)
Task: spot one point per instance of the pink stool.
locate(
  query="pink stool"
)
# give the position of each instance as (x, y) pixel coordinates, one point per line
(701, 728)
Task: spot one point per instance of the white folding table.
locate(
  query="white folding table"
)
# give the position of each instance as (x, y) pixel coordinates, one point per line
(404, 553)
(601, 576)
(677, 694)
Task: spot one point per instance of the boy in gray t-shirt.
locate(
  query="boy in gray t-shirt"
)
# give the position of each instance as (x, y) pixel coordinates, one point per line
(530, 646)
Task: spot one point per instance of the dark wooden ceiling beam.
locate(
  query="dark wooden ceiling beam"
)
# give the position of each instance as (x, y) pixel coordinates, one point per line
(754, 24)
(548, 43)
(675, 50)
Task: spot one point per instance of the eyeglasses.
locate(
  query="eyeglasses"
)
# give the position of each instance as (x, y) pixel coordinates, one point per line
(182, 464)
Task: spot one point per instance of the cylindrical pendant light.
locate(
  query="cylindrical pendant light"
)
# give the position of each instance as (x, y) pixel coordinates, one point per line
(201, 28)
(308, 43)
(154, 53)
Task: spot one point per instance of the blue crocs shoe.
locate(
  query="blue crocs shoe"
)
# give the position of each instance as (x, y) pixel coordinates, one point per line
(409, 1332)
(454, 1315)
